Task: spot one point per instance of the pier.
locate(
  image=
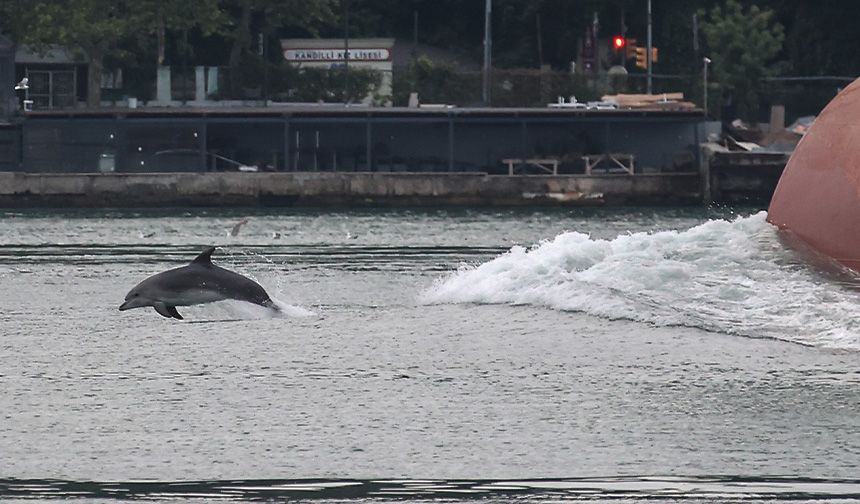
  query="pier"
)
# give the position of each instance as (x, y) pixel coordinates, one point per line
(339, 155)
(340, 189)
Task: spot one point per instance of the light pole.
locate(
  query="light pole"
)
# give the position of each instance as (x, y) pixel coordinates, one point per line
(346, 51)
(706, 62)
(488, 44)
(648, 56)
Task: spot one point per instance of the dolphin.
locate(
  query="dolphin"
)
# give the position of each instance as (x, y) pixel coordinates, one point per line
(198, 282)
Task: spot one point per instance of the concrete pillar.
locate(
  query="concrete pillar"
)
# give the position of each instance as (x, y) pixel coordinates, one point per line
(368, 147)
(162, 85)
(777, 118)
(199, 83)
(286, 143)
(202, 141)
(212, 81)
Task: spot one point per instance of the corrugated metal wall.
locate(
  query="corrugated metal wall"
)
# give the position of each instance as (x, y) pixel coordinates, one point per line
(359, 143)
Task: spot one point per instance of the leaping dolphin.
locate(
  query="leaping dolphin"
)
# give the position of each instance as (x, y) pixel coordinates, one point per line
(196, 283)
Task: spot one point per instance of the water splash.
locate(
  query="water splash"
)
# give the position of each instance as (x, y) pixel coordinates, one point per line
(269, 277)
(290, 310)
(734, 277)
(239, 310)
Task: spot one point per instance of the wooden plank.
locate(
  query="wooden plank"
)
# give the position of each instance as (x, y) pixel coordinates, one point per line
(647, 98)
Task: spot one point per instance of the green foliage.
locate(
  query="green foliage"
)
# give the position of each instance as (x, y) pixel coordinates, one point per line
(742, 45)
(743, 37)
(99, 28)
(322, 84)
(287, 83)
(508, 88)
(435, 84)
(267, 16)
(96, 26)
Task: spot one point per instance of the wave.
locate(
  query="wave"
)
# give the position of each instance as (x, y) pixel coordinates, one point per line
(735, 277)
(612, 489)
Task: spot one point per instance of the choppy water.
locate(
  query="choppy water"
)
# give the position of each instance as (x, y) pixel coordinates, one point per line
(612, 355)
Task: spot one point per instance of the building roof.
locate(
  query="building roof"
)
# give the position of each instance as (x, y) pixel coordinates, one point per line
(52, 54)
(336, 43)
(352, 111)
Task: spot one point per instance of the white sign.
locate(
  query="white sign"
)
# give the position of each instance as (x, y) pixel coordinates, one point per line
(375, 54)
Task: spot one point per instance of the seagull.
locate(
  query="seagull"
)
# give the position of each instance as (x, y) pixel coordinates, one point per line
(23, 84)
(238, 227)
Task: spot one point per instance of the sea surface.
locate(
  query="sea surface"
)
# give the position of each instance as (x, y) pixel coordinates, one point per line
(606, 355)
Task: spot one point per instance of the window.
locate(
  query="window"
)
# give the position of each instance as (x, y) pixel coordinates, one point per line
(51, 89)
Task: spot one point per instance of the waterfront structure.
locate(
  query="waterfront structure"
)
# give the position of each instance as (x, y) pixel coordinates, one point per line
(353, 139)
(56, 76)
(8, 99)
(327, 154)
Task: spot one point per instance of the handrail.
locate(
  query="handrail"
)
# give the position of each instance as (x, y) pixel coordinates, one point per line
(194, 151)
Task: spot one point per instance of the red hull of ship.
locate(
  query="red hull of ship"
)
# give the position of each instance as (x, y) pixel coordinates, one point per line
(818, 196)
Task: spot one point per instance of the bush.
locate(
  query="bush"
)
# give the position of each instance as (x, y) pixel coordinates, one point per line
(287, 83)
(436, 83)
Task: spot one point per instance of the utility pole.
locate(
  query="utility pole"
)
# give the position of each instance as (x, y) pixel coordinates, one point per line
(184, 65)
(624, 36)
(696, 35)
(346, 51)
(415, 28)
(706, 61)
(488, 44)
(649, 55)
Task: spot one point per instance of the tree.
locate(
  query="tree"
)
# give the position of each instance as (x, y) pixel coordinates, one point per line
(742, 46)
(309, 15)
(96, 27)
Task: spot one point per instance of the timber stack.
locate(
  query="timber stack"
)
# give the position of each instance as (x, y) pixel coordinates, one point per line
(661, 101)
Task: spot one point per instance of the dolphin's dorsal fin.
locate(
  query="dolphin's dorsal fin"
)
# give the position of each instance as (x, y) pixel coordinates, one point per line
(205, 257)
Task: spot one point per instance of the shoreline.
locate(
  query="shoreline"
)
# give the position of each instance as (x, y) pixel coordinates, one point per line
(342, 189)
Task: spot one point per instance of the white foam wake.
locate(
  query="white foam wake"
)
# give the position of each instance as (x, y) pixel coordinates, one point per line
(232, 310)
(734, 277)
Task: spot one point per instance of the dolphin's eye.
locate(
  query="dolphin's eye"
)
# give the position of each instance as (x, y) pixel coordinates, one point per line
(136, 295)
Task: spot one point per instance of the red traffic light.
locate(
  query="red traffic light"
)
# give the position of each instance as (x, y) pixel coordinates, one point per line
(618, 42)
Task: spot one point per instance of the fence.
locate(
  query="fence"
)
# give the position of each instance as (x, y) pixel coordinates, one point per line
(440, 84)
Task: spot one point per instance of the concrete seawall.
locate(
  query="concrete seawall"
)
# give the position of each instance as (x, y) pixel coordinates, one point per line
(341, 189)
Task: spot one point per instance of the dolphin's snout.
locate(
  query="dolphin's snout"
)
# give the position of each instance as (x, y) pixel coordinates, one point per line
(124, 306)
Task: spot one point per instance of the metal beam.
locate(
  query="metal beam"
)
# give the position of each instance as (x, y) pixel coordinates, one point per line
(524, 132)
(450, 144)
(286, 143)
(202, 142)
(368, 149)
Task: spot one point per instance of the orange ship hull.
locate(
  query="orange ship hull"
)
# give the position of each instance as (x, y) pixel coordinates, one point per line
(818, 196)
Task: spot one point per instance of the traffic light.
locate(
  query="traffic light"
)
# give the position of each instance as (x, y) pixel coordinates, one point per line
(618, 43)
(641, 57)
(653, 55)
(630, 50)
